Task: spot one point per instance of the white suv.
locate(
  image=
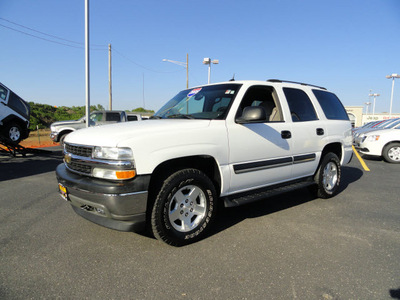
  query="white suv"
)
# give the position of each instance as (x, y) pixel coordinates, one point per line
(232, 142)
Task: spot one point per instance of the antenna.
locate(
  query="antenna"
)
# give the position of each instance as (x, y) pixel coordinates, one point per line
(233, 77)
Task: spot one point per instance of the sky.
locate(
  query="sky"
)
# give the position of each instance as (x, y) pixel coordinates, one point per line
(346, 46)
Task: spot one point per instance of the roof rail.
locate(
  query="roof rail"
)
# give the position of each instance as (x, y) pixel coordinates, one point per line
(278, 80)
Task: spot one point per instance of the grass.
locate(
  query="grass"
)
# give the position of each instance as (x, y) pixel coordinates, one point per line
(38, 138)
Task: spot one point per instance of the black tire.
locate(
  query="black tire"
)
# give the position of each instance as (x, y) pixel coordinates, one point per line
(391, 153)
(328, 176)
(13, 132)
(184, 208)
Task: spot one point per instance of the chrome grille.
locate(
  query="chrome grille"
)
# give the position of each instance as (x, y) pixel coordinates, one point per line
(79, 167)
(84, 151)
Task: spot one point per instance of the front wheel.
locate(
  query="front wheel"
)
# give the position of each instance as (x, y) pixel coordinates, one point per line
(184, 208)
(391, 153)
(328, 175)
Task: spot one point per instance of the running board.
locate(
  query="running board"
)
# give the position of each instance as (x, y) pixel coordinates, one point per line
(259, 194)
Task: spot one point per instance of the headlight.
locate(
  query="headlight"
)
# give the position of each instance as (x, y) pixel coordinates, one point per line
(113, 153)
(372, 138)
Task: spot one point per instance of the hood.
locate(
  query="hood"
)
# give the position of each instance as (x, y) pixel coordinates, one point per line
(64, 123)
(119, 134)
(395, 132)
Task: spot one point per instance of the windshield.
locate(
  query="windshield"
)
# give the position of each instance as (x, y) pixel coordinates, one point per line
(208, 102)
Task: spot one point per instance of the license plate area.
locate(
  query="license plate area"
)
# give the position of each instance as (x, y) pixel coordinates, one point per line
(63, 192)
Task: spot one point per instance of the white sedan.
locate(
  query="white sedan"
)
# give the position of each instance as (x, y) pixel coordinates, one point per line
(385, 142)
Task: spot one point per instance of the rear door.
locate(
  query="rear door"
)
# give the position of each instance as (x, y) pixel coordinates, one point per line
(308, 132)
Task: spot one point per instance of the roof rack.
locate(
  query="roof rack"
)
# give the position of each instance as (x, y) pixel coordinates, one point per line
(278, 80)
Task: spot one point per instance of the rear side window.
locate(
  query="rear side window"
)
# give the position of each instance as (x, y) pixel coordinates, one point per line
(132, 118)
(113, 117)
(19, 105)
(331, 105)
(300, 105)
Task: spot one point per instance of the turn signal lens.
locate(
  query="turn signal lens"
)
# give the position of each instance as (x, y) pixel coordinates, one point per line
(125, 174)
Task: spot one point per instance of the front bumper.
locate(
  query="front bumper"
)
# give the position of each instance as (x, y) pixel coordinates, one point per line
(116, 205)
(54, 136)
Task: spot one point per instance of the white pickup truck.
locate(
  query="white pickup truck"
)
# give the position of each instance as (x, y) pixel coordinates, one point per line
(231, 143)
(60, 129)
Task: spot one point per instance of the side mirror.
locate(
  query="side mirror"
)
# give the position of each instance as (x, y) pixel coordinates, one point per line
(252, 114)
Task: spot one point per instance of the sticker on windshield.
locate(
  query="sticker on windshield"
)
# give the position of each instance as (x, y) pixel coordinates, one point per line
(194, 92)
(229, 92)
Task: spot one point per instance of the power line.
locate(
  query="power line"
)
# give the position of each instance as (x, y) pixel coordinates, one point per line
(74, 42)
(40, 37)
(46, 34)
(143, 67)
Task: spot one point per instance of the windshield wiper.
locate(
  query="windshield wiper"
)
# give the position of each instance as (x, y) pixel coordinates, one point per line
(155, 117)
(181, 116)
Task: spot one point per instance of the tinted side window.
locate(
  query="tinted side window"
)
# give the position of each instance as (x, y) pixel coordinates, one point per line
(3, 93)
(113, 117)
(132, 118)
(331, 105)
(300, 105)
(19, 105)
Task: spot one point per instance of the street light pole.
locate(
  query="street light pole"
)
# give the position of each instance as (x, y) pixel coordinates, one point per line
(367, 104)
(208, 61)
(182, 64)
(109, 78)
(87, 62)
(393, 76)
(374, 95)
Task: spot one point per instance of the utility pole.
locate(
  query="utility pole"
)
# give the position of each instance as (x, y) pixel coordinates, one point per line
(144, 104)
(87, 73)
(109, 77)
(187, 70)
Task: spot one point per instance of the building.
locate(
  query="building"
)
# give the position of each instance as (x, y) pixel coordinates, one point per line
(358, 118)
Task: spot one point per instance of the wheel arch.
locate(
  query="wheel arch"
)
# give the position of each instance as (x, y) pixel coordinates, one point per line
(64, 132)
(13, 118)
(335, 148)
(205, 163)
(388, 143)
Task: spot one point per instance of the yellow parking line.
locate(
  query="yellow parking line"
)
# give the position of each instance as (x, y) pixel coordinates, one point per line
(364, 165)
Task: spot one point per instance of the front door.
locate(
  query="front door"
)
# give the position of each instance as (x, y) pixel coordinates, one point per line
(260, 153)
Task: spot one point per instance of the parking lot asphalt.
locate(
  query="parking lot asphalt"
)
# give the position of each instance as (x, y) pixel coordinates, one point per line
(291, 246)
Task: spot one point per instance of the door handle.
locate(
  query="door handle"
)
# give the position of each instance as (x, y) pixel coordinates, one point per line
(286, 134)
(320, 131)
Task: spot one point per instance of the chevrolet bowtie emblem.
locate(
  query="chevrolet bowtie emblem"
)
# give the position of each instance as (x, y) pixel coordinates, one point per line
(67, 158)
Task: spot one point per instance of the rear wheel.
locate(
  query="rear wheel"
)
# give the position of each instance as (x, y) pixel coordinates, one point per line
(184, 208)
(328, 175)
(13, 132)
(391, 153)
